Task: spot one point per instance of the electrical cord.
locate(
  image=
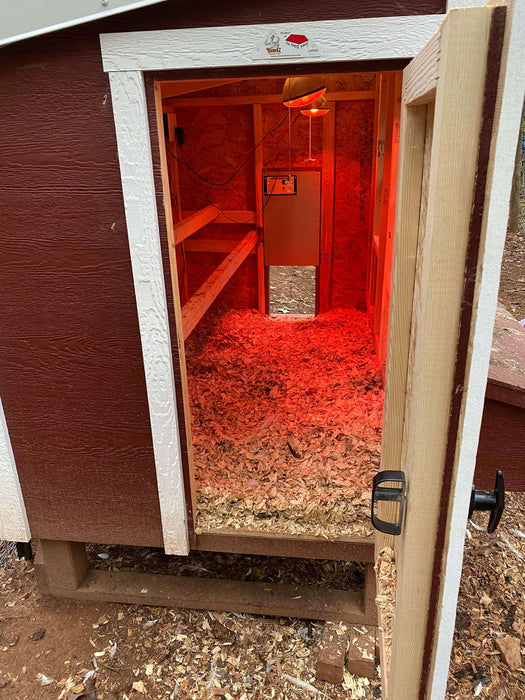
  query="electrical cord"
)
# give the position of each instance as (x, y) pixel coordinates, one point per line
(194, 174)
(221, 211)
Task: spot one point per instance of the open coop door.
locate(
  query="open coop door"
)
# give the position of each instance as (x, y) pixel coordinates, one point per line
(461, 102)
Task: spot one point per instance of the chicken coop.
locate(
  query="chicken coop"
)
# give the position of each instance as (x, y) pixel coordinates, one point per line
(249, 278)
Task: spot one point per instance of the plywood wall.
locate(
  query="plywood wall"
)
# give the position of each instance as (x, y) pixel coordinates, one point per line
(218, 139)
(353, 171)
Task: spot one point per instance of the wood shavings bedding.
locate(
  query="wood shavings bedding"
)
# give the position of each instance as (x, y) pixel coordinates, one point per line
(386, 601)
(286, 420)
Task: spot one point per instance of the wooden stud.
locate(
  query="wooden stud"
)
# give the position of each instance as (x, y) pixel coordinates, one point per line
(200, 302)
(385, 202)
(415, 133)
(377, 192)
(387, 252)
(332, 653)
(192, 224)
(166, 191)
(228, 100)
(175, 199)
(225, 216)
(361, 660)
(327, 210)
(258, 156)
(372, 257)
(211, 245)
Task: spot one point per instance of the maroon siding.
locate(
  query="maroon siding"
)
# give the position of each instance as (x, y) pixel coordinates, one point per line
(71, 375)
(501, 446)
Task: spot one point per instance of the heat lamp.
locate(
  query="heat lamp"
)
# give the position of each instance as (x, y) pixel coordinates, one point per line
(317, 108)
(300, 92)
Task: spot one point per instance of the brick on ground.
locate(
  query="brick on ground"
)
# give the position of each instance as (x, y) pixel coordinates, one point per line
(362, 651)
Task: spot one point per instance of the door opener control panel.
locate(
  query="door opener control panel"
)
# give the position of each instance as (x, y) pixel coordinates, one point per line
(280, 185)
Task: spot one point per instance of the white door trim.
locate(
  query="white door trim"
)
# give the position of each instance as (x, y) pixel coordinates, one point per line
(13, 519)
(373, 38)
(138, 187)
(125, 56)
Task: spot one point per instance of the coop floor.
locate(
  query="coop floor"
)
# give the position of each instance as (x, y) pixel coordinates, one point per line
(286, 420)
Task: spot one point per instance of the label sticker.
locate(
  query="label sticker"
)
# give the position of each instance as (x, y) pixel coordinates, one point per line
(278, 45)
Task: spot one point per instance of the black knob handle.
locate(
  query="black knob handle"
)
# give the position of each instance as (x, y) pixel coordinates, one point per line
(490, 500)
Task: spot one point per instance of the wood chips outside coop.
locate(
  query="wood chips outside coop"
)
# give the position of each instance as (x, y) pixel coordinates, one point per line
(286, 420)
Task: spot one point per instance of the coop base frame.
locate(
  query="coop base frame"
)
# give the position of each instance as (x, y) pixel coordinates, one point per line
(63, 571)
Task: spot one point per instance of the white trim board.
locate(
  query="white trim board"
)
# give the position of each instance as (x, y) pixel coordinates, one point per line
(495, 221)
(13, 519)
(216, 47)
(138, 187)
(125, 56)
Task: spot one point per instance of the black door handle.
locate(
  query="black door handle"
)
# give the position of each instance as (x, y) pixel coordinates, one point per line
(388, 493)
(490, 500)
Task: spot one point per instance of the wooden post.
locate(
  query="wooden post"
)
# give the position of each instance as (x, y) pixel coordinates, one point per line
(385, 203)
(327, 210)
(175, 199)
(65, 565)
(369, 594)
(259, 157)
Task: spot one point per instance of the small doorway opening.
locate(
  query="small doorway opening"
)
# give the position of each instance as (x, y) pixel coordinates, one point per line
(292, 290)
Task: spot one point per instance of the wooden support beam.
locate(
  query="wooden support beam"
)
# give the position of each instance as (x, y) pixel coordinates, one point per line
(200, 302)
(258, 157)
(225, 216)
(211, 245)
(174, 88)
(302, 547)
(327, 210)
(344, 96)
(283, 600)
(421, 74)
(193, 223)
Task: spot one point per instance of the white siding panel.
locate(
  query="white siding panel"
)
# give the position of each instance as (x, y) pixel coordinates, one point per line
(13, 518)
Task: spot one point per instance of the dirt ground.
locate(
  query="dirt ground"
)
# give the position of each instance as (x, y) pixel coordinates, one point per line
(61, 649)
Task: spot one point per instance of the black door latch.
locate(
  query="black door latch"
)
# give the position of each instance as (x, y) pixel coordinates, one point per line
(394, 494)
(490, 500)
